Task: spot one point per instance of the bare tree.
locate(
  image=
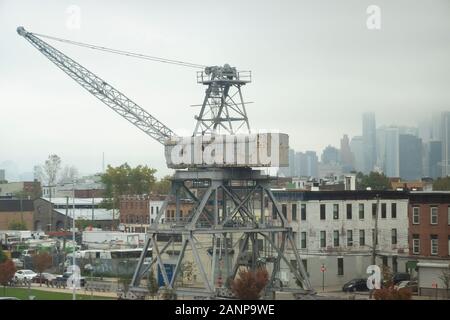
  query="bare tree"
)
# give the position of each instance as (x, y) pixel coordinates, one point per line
(445, 278)
(69, 173)
(48, 173)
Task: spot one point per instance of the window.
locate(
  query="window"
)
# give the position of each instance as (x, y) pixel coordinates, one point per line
(361, 211)
(383, 211)
(394, 236)
(416, 244)
(374, 210)
(323, 240)
(434, 215)
(349, 210)
(336, 238)
(335, 211)
(294, 212)
(416, 215)
(284, 210)
(434, 245)
(349, 238)
(151, 210)
(393, 210)
(305, 264)
(303, 240)
(340, 263)
(448, 216)
(274, 212)
(384, 260)
(394, 264)
(322, 212)
(303, 211)
(362, 237)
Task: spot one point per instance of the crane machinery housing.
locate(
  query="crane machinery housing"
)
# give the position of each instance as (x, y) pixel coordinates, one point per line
(215, 171)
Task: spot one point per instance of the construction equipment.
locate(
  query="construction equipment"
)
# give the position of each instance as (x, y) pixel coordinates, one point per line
(228, 196)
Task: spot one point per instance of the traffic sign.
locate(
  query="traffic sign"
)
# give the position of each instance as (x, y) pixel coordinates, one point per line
(323, 269)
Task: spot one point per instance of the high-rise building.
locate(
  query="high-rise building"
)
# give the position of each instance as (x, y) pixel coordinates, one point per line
(445, 139)
(290, 170)
(2, 174)
(346, 156)
(356, 145)
(410, 157)
(306, 164)
(369, 141)
(434, 159)
(391, 152)
(330, 155)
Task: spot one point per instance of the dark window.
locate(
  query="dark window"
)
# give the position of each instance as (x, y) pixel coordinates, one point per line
(340, 263)
(394, 264)
(361, 210)
(393, 210)
(349, 211)
(274, 212)
(303, 240)
(374, 210)
(294, 212)
(349, 238)
(303, 212)
(385, 261)
(305, 264)
(394, 236)
(323, 239)
(335, 211)
(322, 212)
(362, 237)
(284, 210)
(383, 211)
(336, 238)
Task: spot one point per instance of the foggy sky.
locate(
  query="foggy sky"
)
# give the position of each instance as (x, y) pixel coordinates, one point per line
(316, 68)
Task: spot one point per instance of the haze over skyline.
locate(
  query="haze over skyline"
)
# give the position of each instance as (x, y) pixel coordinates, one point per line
(316, 68)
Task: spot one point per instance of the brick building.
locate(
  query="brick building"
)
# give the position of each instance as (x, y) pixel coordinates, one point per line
(429, 225)
(16, 210)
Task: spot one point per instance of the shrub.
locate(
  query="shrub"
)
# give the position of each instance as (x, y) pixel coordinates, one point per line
(250, 284)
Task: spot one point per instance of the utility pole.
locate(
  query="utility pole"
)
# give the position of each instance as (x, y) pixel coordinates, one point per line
(375, 233)
(92, 207)
(66, 224)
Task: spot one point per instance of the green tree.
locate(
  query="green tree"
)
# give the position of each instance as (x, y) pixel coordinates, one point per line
(162, 186)
(442, 184)
(374, 180)
(17, 225)
(3, 256)
(124, 180)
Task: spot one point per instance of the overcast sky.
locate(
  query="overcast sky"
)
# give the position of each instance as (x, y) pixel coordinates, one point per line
(316, 67)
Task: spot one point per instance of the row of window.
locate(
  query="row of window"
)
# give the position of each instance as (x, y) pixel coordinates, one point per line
(349, 211)
(434, 244)
(434, 215)
(136, 219)
(336, 238)
(134, 205)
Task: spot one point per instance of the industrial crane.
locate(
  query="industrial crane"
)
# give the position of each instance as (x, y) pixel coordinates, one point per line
(228, 195)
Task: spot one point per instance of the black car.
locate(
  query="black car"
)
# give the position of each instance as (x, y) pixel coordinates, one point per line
(359, 284)
(400, 276)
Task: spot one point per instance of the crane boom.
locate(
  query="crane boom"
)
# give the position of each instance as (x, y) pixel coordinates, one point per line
(106, 93)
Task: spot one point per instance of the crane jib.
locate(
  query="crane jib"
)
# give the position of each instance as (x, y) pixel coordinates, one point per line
(102, 90)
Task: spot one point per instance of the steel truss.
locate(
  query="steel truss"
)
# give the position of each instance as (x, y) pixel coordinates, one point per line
(226, 212)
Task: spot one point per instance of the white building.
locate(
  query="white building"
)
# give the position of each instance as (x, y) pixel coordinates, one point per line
(336, 229)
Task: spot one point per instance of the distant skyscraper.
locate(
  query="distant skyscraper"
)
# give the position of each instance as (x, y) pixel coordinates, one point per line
(410, 157)
(2, 175)
(346, 156)
(445, 139)
(330, 155)
(369, 141)
(434, 159)
(356, 145)
(391, 152)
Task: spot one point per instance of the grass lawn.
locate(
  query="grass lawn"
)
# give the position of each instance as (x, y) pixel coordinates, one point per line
(23, 293)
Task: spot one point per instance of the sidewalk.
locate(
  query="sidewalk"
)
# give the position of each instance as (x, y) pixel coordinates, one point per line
(78, 291)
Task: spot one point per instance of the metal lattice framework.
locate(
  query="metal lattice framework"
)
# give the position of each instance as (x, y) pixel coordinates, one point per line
(223, 108)
(106, 93)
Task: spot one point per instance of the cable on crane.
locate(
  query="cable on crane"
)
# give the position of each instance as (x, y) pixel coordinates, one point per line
(124, 53)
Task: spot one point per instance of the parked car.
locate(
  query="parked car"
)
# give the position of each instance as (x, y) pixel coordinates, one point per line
(9, 298)
(353, 285)
(25, 275)
(400, 276)
(62, 280)
(18, 263)
(44, 277)
(413, 285)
